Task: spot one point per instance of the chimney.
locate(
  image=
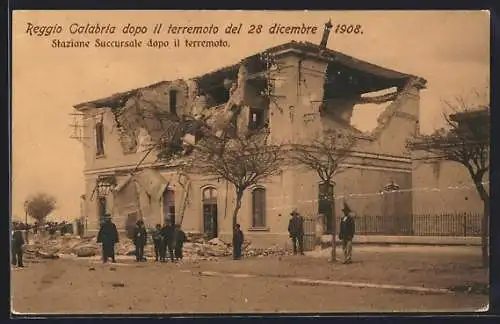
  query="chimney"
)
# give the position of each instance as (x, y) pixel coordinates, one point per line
(326, 33)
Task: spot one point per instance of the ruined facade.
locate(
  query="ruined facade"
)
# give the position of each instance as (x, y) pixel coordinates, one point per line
(295, 91)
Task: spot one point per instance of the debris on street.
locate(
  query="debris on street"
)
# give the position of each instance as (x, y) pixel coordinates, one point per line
(197, 248)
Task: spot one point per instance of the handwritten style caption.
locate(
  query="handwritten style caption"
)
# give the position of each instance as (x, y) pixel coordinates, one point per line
(100, 32)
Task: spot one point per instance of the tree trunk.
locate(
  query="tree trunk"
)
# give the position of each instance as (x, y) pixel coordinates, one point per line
(333, 226)
(239, 196)
(485, 197)
(485, 233)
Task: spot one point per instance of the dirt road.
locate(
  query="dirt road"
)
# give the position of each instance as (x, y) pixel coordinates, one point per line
(76, 286)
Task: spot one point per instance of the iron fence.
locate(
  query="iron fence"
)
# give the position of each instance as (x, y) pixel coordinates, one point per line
(445, 224)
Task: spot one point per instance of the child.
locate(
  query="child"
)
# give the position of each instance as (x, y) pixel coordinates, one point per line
(157, 241)
(180, 238)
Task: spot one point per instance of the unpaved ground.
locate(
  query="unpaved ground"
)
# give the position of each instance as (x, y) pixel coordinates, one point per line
(69, 286)
(434, 267)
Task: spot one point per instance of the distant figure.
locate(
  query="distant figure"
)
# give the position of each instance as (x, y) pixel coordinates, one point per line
(17, 246)
(140, 239)
(63, 228)
(346, 233)
(180, 238)
(296, 231)
(108, 236)
(157, 242)
(238, 240)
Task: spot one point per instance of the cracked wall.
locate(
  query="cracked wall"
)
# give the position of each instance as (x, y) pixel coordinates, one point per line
(449, 191)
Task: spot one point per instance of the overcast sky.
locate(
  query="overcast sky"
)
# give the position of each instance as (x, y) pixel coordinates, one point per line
(449, 49)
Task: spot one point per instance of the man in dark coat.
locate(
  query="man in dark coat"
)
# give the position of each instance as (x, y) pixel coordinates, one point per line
(168, 234)
(17, 246)
(140, 239)
(163, 244)
(157, 241)
(346, 233)
(238, 239)
(296, 231)
(179, 238)
(108, 236)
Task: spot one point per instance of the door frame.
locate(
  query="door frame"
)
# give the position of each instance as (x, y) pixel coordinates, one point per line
(213, 201)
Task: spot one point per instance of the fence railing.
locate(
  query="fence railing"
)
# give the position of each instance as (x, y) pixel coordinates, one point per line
(446, 224)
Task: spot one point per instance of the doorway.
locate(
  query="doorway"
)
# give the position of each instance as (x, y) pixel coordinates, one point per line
(325, 205)
(169, 206)
(210, 217)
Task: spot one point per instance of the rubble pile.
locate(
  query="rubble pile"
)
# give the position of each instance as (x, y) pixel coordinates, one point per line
(274, 250)
(197, 248)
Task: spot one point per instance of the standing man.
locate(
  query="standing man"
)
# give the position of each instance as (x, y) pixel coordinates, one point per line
(169, 240)
(346, 233)
(108, 236)
(17, 246)
(296, 231)
(140, 240)
(163, 246)
(180, 238)
(157, 241)
(238, 240)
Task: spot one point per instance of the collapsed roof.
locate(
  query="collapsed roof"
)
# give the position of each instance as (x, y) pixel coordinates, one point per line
(371, 77)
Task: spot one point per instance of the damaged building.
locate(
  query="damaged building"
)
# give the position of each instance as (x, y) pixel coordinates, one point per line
(294, 91)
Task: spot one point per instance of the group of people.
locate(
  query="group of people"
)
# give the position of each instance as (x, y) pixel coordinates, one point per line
(18, 237)
(167, 238)
(48, 227)
(171, 238)
(346, 232)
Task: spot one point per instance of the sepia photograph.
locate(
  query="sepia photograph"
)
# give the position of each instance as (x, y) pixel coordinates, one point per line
(249, 162)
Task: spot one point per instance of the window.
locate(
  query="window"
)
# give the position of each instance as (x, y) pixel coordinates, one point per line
(259, 207)
(101, 208)
(173, 101)
(257, 119)
(99, 138)
(210, 195)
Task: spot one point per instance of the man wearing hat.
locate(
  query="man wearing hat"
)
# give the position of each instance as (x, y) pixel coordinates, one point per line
(140, 240)
(296, 231)
(108, 236)
(346, 233)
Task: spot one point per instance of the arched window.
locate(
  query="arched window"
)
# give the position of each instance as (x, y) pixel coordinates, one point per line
(99, 138)
(259, 207)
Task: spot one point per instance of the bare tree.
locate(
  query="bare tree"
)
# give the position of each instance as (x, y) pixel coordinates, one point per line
(465, 140)
(39, 206)
(325, 156)
(242, 160)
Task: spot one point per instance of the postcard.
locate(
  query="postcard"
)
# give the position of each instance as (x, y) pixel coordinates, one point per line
(249, 162)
